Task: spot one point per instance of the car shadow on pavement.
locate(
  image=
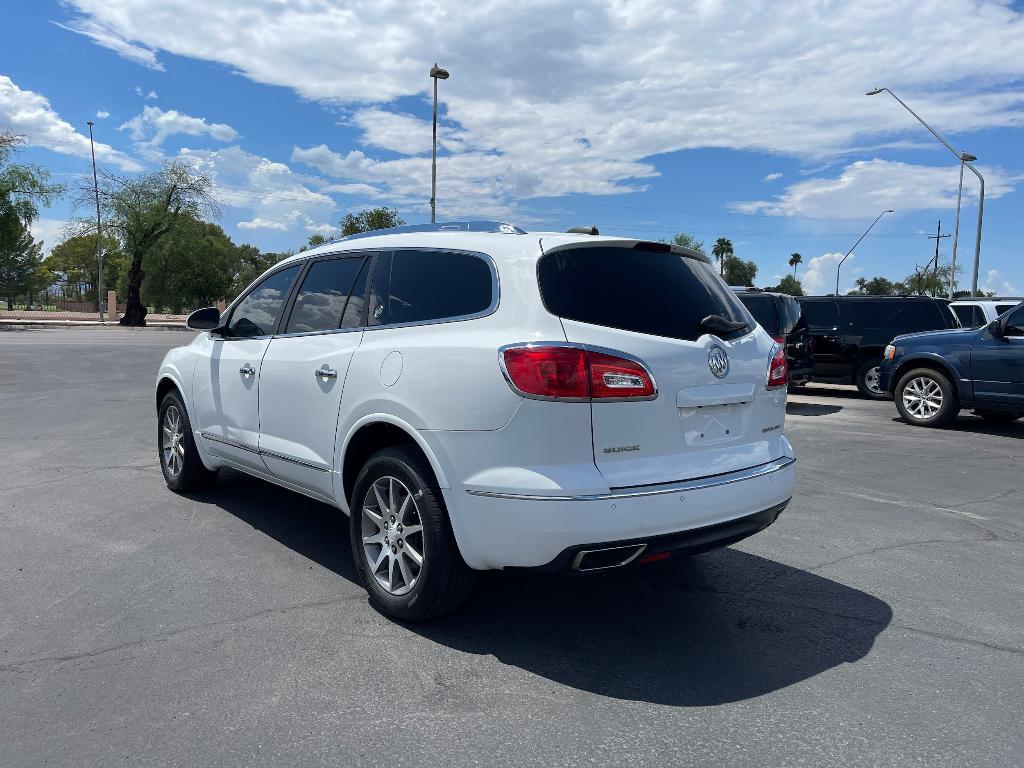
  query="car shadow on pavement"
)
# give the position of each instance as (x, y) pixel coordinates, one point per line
(839, 393)
(811, 409)
(966, 422)
(716, 628)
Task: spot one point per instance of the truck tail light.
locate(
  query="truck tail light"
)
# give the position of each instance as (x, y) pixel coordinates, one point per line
(778, 368)
(559, 372)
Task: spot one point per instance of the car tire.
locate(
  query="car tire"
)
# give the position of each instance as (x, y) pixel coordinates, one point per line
(394, 492)
(926, 398)
(867, 380)
(180, 463)
(1000, 417)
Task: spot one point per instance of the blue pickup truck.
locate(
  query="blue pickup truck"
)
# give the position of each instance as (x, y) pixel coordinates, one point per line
(933, 375)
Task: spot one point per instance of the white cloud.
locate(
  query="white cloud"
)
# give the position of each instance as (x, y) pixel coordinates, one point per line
(996, 283)
(30, 114)
(820, 275)
(773, 176)
(151, 95)
(48, 230)
(551, 97)
(108, 38)
(102, 114)
(865, 188)
(270, 193)
(154, 125)
(139, 91)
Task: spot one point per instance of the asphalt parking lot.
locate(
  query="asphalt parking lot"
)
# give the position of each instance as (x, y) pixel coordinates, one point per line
(879, 622)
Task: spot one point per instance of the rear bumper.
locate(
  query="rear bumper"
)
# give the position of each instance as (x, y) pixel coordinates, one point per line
(500, 530)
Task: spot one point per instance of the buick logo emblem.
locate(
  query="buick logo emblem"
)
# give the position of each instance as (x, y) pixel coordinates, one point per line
(718, 362)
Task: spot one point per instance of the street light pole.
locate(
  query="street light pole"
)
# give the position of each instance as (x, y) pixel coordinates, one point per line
(436, 73)
(840, 264)
(99, 246)
(965, 160)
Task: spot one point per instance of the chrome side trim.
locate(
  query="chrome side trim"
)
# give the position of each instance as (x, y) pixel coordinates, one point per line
(229, 441)
(270, 454)
(653, 490)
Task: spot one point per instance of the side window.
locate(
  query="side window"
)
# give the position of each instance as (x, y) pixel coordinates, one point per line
(1001, 308)
(1015, 322)
(920, 316)
(324, 294)
(353, 317)
(877, 314)
(436, 285)
(378, 310)
(970, 315)
(820, 314)
(257, 314)
(763, 310)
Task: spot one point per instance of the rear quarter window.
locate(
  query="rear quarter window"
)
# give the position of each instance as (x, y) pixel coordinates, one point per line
(658, 293)
(764, 310)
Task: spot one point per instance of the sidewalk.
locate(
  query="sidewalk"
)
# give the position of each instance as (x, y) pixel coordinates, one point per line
(41, 318)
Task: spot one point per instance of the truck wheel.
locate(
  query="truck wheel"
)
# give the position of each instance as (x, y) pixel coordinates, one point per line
(868, 378)
(402, 542)
(926, 398)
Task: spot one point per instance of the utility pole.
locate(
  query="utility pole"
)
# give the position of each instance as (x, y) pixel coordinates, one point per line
(99, 245)
(937, 237)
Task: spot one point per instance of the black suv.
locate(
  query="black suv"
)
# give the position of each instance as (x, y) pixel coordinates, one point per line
(779, 314)
(849, 333)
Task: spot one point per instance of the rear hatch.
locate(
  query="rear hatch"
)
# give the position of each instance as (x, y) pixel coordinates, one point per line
(649, 301)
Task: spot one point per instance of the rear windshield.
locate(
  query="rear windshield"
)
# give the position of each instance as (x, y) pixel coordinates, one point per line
(764, 311)
(663, 294)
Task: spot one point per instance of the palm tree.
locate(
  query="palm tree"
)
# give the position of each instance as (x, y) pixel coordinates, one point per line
(794, 259)
(722, 249)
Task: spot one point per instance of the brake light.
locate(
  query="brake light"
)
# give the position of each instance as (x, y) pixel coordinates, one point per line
(778, 368)
(778, 339)
(574, 373)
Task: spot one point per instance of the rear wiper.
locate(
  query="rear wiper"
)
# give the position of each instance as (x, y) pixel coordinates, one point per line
(720, 326)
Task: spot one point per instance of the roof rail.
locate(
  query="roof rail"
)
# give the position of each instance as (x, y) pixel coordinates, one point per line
(582, 231)
(499, 227)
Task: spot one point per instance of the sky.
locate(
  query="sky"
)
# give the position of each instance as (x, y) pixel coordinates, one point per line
(746, 120)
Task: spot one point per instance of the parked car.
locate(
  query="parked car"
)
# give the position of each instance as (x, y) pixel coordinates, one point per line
(932, 376)
(974, 313)
(478, 398)
(849, 333)
(779, 314)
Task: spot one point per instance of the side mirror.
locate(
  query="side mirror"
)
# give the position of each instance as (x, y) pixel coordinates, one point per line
(996, 328)
(205, 319)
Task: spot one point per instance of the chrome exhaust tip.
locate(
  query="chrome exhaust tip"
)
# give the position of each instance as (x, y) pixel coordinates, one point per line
(610, 557)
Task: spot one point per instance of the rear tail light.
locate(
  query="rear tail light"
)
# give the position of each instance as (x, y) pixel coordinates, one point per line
(778, 369)
(559, 372)
(779, 340)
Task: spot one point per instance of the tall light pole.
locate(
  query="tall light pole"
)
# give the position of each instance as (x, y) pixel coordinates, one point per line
(965, 159)
(437, 74)
(99, 247)
(840, 264)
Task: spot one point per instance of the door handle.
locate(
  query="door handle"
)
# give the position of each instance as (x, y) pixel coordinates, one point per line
(325, 372)
(247, 370)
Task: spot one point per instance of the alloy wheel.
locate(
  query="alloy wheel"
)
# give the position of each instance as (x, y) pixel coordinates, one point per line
(392, 535)
(922, 397)
(871, 380)
(172, 441)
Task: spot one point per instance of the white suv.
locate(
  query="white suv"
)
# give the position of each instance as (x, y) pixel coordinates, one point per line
(476, 397)
(974, 313)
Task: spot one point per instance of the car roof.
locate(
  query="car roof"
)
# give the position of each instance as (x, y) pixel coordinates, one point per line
(872, 298)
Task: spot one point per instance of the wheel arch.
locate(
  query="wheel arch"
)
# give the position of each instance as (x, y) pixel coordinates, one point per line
(369, 435)
(935, 363)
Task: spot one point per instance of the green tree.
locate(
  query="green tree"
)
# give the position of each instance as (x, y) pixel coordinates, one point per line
(193, 266)
(876, 286)
(926, 281)
(789, 284)
(687, 240)
(74, 261)
(736, 271)
(721, 250)
(141, 211)
(21, 270)
(251, 264)
(794, 260)
(365, 221)
(316, 239)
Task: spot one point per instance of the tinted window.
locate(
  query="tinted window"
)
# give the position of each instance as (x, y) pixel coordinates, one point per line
(900, 315)
(1000, 308)
(970, 315)
(435, 285)
(820, 314)
(353, 317)
(323, 295)
(663, 294)
(258, 312)
(1015, 323)
(764, 311)
(789, 314)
